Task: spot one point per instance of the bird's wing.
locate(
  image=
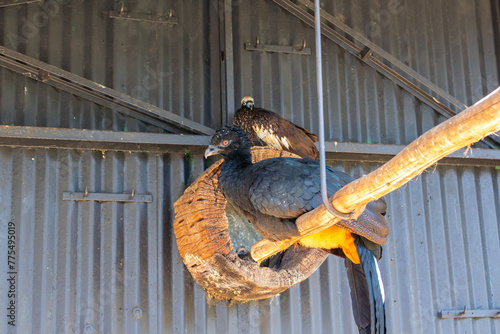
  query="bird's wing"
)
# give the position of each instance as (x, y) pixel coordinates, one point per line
(282, 134)
(280, 192)
(311, 135)
(267, 126)
(288, 187)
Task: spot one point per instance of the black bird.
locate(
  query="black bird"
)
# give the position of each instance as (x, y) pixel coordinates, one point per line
(272, 193)
(266, 128)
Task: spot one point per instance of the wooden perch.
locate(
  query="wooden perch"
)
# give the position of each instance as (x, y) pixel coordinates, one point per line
(476, 122)
(202, 229)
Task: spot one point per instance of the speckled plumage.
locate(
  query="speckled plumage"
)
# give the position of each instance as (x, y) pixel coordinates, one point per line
(267, 128)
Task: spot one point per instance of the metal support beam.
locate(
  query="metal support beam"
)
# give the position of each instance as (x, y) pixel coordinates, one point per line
(23, 136)
(357, 36)
(382, 153)
(227, 57)
(6, 3)
(90, 90)
(367, 57)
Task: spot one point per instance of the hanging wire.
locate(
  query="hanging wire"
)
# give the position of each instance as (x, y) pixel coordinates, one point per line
(319, 84)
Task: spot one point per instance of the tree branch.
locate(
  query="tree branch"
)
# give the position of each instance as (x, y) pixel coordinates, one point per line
(476, 122)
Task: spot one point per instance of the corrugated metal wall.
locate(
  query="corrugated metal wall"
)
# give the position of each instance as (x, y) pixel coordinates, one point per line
(449, 42)
(175, 68)
(95, 264)
(87, 262)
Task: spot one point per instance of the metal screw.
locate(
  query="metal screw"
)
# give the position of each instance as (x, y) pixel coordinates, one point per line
(137, 312)
(88, 329)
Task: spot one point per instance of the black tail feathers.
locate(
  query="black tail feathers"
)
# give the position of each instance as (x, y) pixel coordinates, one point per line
(367, 291)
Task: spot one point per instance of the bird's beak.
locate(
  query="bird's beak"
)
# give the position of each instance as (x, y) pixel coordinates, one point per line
(211, 150)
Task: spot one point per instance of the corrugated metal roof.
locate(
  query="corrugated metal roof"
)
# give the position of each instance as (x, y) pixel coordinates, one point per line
(82, 264)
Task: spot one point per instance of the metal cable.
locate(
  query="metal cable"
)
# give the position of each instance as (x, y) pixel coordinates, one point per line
(319, 83)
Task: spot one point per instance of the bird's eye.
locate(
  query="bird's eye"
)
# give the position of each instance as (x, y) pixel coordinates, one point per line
(225, 142)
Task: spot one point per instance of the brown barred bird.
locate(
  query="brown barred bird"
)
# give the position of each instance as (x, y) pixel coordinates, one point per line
(266, 128)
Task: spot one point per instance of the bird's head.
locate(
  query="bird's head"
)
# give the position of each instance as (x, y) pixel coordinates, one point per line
(229, 141)
(248, 102)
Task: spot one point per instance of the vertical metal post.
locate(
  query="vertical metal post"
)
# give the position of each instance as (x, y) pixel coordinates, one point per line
(226, 12)
(319, 84)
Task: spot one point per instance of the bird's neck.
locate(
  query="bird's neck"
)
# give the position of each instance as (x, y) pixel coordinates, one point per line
(233, 180)
(239, 160)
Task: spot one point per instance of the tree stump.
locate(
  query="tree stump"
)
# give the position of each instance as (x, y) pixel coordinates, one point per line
(205, 238)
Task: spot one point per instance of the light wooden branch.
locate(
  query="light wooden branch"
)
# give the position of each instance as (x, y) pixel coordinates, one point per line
(476, 122)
